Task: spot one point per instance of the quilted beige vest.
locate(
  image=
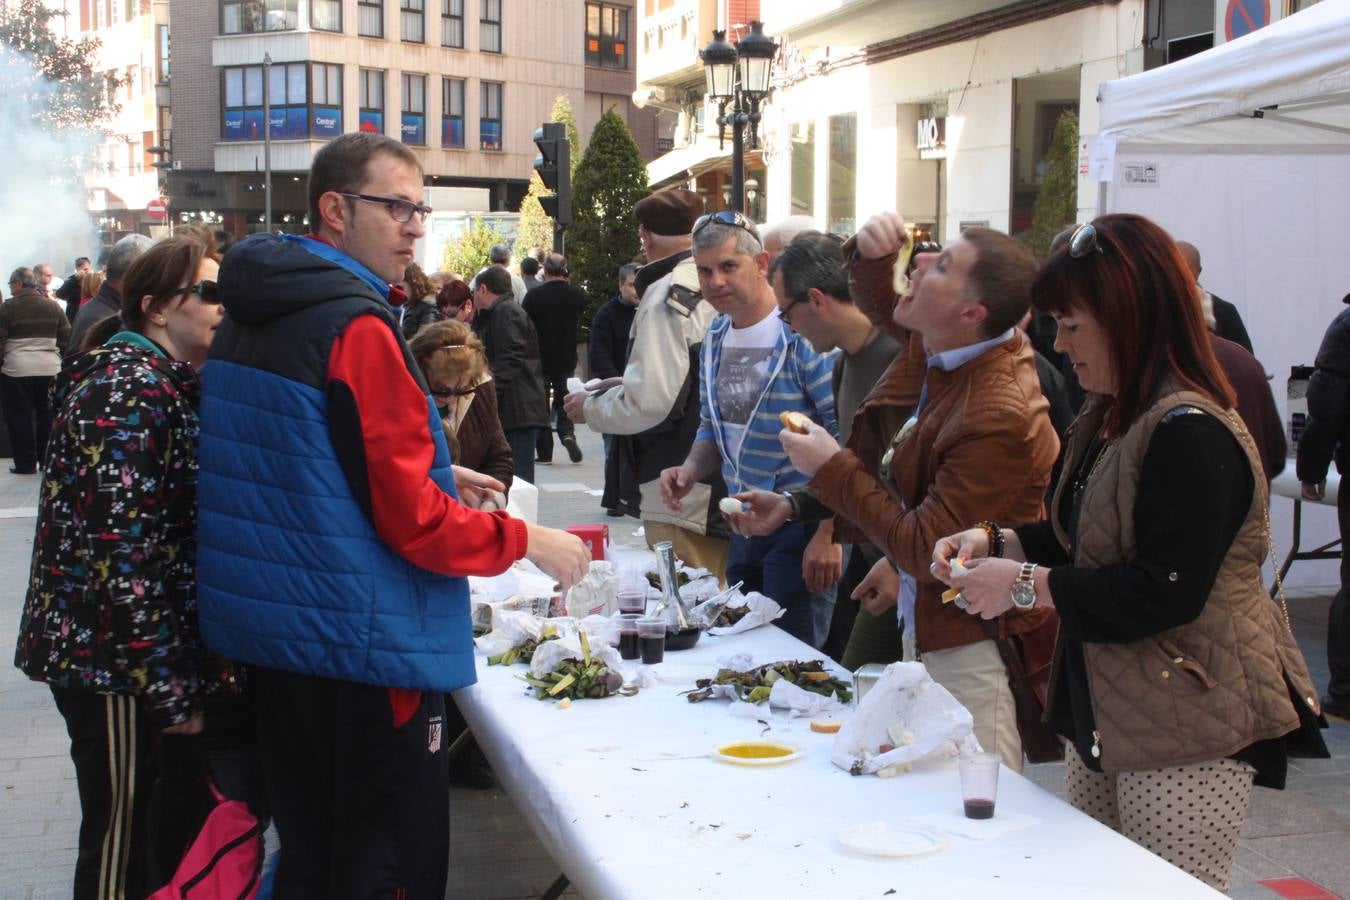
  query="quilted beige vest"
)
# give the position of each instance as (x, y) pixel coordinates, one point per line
(1204, 690)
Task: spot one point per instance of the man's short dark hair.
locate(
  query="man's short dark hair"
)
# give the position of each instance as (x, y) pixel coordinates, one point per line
(24, 276)
(82, 261)
(555, 265)
(340, 165)
(813, 260)
(500, 254)
(496, 279)
(529, 266)
(1000, 278)
(627, 271)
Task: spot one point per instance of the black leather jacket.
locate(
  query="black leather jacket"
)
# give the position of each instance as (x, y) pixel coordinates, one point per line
(1325, 433)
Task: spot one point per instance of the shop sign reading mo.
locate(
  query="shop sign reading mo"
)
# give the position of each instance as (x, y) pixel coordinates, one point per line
(932, 137)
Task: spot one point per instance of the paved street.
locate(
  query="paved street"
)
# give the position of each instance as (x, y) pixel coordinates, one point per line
(1303, 832)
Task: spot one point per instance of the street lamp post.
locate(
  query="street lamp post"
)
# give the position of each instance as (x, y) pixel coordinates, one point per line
(738, 81)
(267, 142)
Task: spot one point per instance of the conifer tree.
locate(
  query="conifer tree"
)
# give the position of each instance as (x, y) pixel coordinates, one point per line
(610, 178)
(1057, 203)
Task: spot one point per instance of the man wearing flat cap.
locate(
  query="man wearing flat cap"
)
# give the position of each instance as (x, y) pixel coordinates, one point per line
(654, 412)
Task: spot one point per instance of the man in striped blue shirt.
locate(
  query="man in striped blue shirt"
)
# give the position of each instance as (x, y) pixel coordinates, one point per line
(752, 368)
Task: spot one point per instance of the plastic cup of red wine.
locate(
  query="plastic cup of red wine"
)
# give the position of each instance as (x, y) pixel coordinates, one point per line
(629, 648)
(633, 601)
(979, 784)
(652, 640)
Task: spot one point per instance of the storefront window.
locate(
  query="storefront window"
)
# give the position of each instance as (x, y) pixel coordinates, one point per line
(804, 169)
(843, 200)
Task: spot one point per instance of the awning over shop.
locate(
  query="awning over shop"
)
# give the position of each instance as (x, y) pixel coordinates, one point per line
(686, 162)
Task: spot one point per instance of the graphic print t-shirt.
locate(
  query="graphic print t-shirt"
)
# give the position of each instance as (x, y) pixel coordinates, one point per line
(742, 373)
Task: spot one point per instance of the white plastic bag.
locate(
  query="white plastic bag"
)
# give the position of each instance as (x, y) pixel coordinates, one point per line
(762, 611)
(596, 594)
(910, 710)
(511, 628)
(550, 653)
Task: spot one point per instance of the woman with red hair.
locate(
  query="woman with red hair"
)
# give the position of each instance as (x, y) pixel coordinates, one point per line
(456, 301)
(1177, 681)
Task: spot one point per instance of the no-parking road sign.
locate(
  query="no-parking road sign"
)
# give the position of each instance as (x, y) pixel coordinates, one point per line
(1235, 18)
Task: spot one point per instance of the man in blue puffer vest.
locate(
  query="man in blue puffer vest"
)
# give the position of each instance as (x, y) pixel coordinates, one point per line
(335, 535)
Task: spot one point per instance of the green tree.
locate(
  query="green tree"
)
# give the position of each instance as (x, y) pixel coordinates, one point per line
(1057, 203)
(58, 83)
(536, 228)
(603, 236)
(562, 112)
(466, 256)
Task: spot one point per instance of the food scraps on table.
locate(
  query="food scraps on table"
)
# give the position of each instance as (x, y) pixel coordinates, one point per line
(756, 684)
(524, 652)
(576, 679)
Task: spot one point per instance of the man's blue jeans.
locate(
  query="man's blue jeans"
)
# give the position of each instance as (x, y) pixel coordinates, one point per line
(772, 565)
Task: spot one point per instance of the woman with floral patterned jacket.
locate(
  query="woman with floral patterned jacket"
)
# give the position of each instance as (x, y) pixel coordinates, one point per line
(110, 621)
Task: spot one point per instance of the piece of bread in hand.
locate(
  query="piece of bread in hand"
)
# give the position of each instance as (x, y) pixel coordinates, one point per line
(795, 421)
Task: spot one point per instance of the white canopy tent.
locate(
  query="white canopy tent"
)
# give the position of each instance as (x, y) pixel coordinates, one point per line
(1244, 151)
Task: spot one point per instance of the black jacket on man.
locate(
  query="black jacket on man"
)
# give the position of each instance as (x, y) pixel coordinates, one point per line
(512, 350)
(1327, 431)
(555, 308)
(107, 302)
(1228, 323)
(608, 351)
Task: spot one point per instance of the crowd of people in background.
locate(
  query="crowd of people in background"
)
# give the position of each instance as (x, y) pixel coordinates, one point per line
(1089, 434)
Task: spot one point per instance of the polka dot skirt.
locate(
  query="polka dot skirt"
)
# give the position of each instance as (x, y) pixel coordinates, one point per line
(1191, 816)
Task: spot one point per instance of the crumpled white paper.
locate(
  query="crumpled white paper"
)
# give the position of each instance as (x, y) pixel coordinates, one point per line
(511, 628)
(596, 593)
(550, 653)
(907, 708)
(762, 611)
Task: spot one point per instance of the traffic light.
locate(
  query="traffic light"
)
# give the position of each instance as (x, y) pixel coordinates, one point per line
(554, 167)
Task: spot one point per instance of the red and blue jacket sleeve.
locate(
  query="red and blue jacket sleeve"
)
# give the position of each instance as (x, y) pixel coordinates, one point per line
(378, 419)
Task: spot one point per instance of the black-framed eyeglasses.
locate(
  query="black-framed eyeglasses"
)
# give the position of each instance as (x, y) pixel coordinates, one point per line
(726, 217)
(401, 211)
(206, 289)
(786, 314)
(451, 393)
(1083, 243)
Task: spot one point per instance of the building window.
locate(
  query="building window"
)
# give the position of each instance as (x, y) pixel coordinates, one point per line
(247, 16)
(490, 27)
(452, 23)
(326, 91)
(370, 18)
(414, 122)
(413, 21)
(804, 169)
(164, 119)
(288, 96)
(490, 118)
(325, 15)
(162, 52)
(843, 196)
(372, 101)
(606, 36)
(452, 112)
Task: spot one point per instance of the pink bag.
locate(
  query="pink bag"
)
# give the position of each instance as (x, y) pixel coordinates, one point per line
(224, 860)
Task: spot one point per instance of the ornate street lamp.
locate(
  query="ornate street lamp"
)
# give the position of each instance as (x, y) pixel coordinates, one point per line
(738, 81)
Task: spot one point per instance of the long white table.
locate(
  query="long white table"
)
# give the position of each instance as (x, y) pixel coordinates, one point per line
(622, 793)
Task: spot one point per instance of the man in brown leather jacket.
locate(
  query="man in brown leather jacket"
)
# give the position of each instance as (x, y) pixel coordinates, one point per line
(980, 441)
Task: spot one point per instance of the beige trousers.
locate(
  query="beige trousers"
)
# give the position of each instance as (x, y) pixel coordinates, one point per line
(691, 548)
(976, 676)
(1191, 816)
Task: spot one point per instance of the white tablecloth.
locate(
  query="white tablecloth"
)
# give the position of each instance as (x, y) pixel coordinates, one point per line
(622, 793)
(1286, 484)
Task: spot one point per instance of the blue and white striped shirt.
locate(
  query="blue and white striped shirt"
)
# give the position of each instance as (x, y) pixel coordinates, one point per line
(799, 380)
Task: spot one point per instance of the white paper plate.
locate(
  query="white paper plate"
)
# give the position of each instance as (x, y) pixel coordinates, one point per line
(889, 840)
(722, 755)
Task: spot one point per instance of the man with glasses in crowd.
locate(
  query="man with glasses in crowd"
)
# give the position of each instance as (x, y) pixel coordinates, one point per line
(333, 549)
(979, 446)
(752, 368)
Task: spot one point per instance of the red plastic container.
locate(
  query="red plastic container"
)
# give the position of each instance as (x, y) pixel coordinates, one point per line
(596, 538)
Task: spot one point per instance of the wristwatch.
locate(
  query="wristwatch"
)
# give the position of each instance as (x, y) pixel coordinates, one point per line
(794, 508)
(1024, 588)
